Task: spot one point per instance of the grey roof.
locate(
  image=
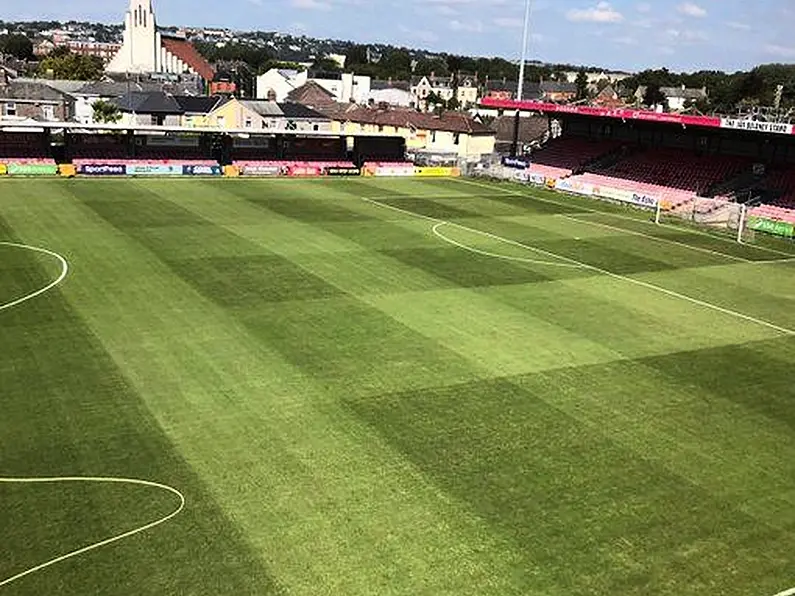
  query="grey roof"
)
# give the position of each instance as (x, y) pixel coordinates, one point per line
(64, 86)
(200, 104)
(155, 102)
(119, 88)
(31, 91)
(262, 107)
(297, 110)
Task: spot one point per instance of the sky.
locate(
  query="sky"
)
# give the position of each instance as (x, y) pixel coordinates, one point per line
(621, 34)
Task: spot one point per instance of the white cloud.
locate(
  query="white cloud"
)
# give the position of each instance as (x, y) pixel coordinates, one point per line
(643, 7)
(691, 10)
(738, 26)
(471, 27)
(781, 51)
(509, 22)
(603, 12)
(310, 4)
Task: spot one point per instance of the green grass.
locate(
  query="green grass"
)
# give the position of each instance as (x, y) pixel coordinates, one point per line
(352, 405)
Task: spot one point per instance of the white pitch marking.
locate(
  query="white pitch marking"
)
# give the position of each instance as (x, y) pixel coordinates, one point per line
(631, 280)
(436, 232)
(101, 543)
(31, 296)
(64, 479)
(657, 238)
(617, 215)
(790, 592)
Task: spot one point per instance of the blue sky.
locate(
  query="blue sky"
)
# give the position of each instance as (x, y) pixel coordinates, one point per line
(629, 34)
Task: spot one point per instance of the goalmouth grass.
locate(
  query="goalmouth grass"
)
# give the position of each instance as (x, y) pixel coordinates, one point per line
(446, 388)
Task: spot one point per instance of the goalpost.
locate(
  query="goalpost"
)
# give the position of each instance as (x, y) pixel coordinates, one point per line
(719, 215)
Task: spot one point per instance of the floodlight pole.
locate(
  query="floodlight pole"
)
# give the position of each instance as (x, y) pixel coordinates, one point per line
(520, 86)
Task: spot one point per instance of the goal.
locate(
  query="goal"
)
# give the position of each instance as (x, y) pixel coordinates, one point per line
(717, 215)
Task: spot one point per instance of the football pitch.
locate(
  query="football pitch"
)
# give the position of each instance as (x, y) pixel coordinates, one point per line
(387, 387)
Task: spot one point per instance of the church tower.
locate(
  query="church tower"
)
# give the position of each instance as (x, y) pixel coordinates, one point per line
(140, 51)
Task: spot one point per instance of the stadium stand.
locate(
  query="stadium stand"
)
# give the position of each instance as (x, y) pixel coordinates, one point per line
(565, 156)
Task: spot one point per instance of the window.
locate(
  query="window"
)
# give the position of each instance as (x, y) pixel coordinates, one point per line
(433, 136)
(248, 123)
(48, 112)
(153, 119)
(220, 121)
(316, 127)
(10, 109)
(456, 138)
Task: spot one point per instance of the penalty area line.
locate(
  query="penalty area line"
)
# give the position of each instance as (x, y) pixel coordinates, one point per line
(605, 272)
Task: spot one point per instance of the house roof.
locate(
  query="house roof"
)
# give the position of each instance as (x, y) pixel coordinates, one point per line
(510, 86)
(311, 94)
(154, 102)
(30, 91)
(184, 50)
(684, 92)
(200, 104)
(64, 86)
(296, 110)
(405, 118)
(262, 107)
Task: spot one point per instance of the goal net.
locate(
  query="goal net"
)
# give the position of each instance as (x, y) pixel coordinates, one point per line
(718, 215)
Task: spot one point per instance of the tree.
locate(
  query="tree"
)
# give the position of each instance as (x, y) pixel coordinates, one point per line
(71, 67)
(356, 55)
(17, 45)
(396, 64)
(653, 96)
(582, 84)
(453, 103)
(433, 99)
(427, 66)
(327, 65)
(106, 112)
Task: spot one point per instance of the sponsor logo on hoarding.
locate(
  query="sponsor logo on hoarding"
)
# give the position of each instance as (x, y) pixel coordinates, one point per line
(99, 169)
(757, 126)
(201, 170)
(575, 186)
(537, 179)
(343, 171)
(261, 170)
(515, 162)
(3, 169)
(436, 171)
(153, 170)
(394, 171)
(770, 226)
(303, 171)
(18, 169)
(625, 196)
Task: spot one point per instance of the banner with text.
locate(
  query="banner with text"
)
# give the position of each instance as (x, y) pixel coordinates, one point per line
(261, 170)
(99, 169)
(436, 171)
(343, 171)
(757, 126)
(193, 170)
(575, 186)
(396, 170)
(625, 196)
(153, 170)
(29, 169)
(516, 162)
(771, 226)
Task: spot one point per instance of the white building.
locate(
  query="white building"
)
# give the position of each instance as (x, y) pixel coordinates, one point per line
(145, 50)
(277, 83)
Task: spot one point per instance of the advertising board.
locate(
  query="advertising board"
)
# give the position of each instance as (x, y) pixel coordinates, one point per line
(153, 170)
(19, 169)
(778, 128)
(575, 186)
(261, 170)
(519, 163)
(3, 169)
(99, 169)
(771, 226)
(539, 179)
(343, 171)
(193, 170)
(436, 171)
(396, 170)
(303, 170)
(625, 196)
